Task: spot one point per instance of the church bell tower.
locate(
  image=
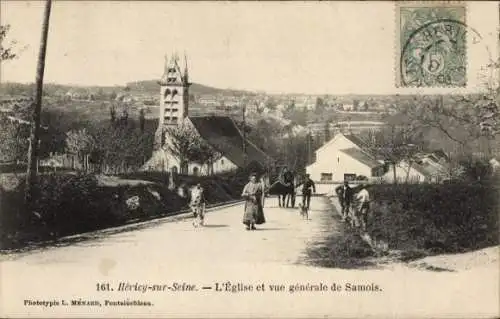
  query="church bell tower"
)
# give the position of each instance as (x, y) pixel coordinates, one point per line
(174, 95)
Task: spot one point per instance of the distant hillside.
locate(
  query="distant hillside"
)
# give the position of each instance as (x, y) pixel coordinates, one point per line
(149, 87)
(152, 87)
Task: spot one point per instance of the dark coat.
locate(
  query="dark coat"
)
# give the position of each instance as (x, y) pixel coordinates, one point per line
(344, 196)
(306, 187)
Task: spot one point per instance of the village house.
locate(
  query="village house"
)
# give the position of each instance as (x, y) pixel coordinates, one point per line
(220, 132)
(495, 164)
(432, 167)
(408, 173)
(345, 156)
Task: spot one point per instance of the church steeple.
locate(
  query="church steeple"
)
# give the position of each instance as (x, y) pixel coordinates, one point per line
(186, 74)
(174, 93)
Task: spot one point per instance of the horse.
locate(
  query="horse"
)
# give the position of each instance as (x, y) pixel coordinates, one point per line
(285, 192)
(287, 196)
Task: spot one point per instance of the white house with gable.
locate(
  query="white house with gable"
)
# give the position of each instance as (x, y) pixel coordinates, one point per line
(344, 157)
(406, 173)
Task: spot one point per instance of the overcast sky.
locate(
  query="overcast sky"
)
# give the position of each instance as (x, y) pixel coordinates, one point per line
(332, 48)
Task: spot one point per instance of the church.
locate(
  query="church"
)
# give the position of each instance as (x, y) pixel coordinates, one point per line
(220, 132)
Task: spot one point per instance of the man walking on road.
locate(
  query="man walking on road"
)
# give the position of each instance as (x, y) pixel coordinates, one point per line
(363, 198)
(344, 194)
(306, 191)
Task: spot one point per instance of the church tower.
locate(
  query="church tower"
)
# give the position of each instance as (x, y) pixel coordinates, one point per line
(174, 90)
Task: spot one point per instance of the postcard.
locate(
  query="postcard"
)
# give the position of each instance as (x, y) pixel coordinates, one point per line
(179, 159)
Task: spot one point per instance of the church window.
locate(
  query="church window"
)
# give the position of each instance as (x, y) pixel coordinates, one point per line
(222, 162)
(174, 169)
(174, 92)
(195, 171)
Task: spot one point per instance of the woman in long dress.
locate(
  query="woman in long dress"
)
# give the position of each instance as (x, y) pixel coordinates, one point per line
(254, 212)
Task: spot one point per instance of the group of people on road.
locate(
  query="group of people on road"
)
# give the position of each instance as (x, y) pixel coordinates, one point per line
(255, 191)
(354, 205)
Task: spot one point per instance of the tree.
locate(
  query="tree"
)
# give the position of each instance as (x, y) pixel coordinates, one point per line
(113, 95)
(271, 104)
(327, 131)
(355, 105)
(120, 148)
(464, 120)
(142, 119)
(203, 153)
(364, 107)
(395, 144)
(14, 141)
(112, 113)
(6, 50)
(320, 105)
(124, 117)
(184, 143)
(80, 143)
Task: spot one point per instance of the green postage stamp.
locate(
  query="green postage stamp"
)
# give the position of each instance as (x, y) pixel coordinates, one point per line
(431, 44)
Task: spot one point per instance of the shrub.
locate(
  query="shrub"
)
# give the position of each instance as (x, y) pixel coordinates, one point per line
(441, 218)
(71, 204)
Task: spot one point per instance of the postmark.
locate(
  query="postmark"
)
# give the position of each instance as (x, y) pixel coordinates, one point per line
(432, 45)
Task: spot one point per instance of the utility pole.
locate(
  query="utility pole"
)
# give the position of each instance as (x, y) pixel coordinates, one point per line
(244, 138)
(309, 137)
(31, 173)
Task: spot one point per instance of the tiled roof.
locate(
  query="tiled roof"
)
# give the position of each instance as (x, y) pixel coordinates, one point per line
(222, 134)
(362, 157)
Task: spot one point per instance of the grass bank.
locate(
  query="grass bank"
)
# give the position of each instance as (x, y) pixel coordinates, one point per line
(69, 204)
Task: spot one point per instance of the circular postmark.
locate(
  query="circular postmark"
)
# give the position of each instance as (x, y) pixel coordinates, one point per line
(435, 55)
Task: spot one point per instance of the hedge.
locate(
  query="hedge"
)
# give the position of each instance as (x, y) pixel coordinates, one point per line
(72, 204)
(437, 218)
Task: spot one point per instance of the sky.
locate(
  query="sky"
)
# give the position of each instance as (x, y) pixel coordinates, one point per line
(288, 47)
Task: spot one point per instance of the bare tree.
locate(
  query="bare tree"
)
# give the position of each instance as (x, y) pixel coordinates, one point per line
(80, 143)
(395, 144)
(178, 141)
(142, 119)
(203, 153)
(465, 120)
(7, 51)
(184, 143)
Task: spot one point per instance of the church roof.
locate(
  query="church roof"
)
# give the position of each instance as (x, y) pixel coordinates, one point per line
(222, 134)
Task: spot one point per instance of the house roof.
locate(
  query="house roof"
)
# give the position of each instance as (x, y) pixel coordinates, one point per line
(351, 137)
(222, 134)
(424, 170)
(362, 157)
(356, 140)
